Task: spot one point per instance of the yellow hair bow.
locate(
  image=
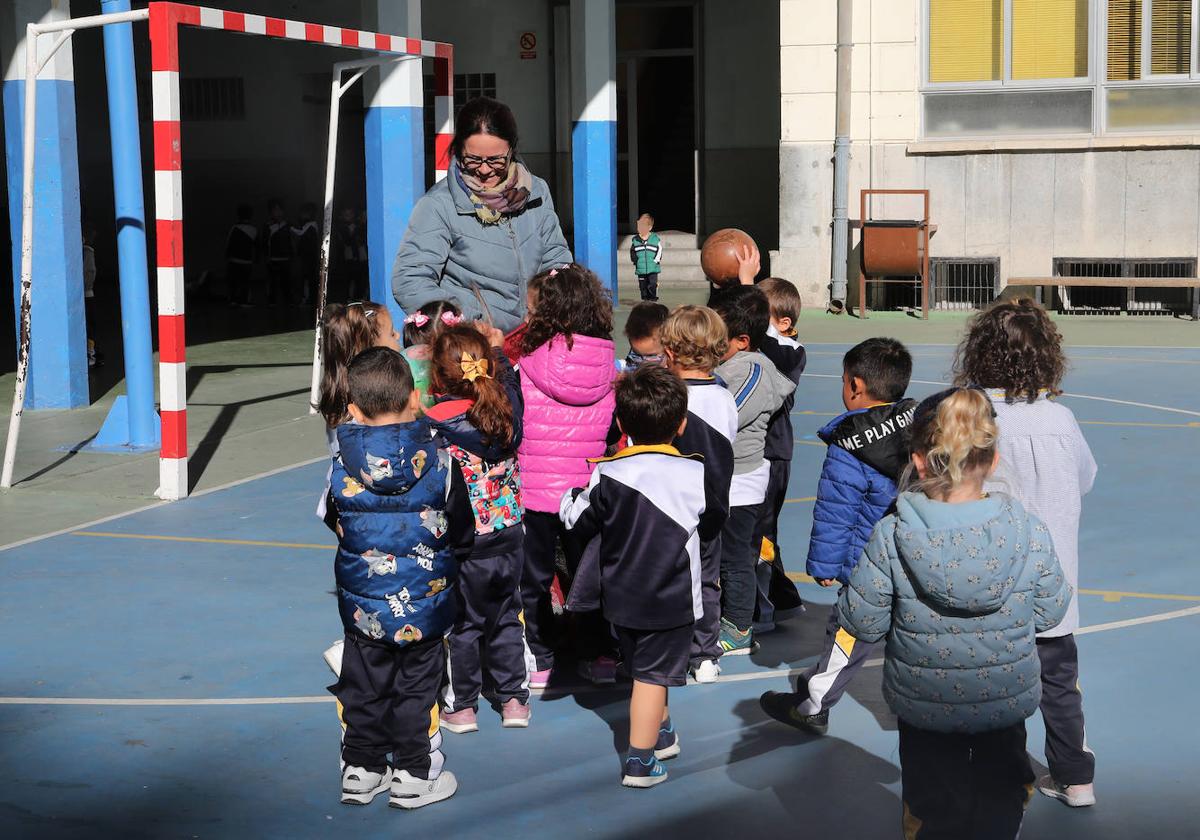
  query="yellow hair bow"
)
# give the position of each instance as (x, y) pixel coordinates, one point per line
(473, 368)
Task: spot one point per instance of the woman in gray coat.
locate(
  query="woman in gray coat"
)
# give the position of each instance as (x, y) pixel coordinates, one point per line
(483, 230)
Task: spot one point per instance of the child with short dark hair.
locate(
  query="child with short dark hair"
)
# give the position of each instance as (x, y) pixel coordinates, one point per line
(646, 253)
(958, 581)
(868, 451)
(1014, 350)
(777, 593)
(758, 389)
(404, 522)
(643, 328)
(645, 504)
(694, 342)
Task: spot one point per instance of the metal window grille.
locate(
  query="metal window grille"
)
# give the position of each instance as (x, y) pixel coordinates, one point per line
(1081, 300)
(963, 283)
(212, 99)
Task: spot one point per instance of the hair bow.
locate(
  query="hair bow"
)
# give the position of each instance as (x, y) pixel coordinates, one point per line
(450, 319)
(419, 319)
(473, 368)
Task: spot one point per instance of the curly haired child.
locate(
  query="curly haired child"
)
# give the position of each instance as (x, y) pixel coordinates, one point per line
(1015, 352)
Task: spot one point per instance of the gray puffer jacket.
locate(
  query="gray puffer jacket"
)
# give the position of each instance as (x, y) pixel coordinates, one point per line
(959, 591)
(447, 248)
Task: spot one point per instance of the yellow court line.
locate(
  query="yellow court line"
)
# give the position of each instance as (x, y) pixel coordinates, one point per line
(168, 538)
(809, 443)
(801, 499)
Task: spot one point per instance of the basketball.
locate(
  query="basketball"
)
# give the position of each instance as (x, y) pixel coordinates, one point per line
(718, 257)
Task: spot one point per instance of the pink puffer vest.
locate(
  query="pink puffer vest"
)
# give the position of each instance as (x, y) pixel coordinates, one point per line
(568, 411)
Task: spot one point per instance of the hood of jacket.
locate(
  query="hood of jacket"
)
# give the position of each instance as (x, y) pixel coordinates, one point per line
(581, 374)
(448, 418)
(967, 557)
(878, 436)
(387, 459)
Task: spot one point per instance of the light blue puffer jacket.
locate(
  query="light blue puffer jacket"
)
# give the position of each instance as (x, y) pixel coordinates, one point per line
(447, 248)
(959, 591)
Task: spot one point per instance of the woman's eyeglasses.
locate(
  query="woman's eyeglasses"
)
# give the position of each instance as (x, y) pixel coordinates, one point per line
(496, 163)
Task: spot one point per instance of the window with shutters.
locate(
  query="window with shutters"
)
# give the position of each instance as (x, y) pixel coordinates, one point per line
(1015, 68)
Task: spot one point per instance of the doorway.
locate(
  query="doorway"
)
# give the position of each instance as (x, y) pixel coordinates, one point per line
(658, 114)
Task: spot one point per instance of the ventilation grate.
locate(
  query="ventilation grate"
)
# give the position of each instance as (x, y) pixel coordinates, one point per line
(1081, 300)
(963, 283)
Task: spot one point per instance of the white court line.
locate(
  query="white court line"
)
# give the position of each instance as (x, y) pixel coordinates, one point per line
(152, 505)
(1187, 411)
(769, 674)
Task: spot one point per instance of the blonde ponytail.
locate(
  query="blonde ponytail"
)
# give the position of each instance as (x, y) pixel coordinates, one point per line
(956, 439)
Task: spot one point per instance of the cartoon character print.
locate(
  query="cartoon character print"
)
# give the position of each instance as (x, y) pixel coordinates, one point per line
(434, 521)
(418, 462)
(494, 490)
(352, 488)
(435, 586)
(408, 633)
(379, 563)
(368, 623)
(380, 468)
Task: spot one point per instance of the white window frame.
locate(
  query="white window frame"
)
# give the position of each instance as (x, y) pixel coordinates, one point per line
(1095, 81)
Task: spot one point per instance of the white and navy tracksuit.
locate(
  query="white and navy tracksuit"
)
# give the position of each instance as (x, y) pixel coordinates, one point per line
(711, 427)
(645, 504)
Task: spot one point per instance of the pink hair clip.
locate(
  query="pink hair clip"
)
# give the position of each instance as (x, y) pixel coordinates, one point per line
(419, 319)
(450, 319)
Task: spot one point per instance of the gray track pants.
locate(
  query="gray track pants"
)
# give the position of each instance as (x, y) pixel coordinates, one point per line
(840, 661)
(1067, 753)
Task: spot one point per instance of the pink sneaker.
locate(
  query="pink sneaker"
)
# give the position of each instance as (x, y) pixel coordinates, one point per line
(459, 722)
(540, 679)
(601, 671)
(515, 715)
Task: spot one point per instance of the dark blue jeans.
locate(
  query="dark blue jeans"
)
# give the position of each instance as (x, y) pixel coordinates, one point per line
(740, 541)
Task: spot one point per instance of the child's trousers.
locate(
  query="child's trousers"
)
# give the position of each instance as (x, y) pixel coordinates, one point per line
(488, 635)
(840, 661)
(707, 630)
(388, 695)
(964, 786)
(1070, 760)
(776, 592)
(648, 286)
(740, 540)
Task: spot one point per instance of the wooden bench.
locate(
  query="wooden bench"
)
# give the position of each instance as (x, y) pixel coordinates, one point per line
(1039, 283)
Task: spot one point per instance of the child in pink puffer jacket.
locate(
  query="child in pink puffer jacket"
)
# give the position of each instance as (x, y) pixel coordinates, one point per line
(567, 371)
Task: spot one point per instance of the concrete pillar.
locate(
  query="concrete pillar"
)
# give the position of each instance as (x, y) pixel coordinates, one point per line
(58, 361)
(394, 144)
(594, 136)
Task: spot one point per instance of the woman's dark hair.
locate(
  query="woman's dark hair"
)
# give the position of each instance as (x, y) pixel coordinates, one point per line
(492, 413)
(651, 404)
(1012, 345)
(433, 311)
(570, 301)
(346, 331)
(482, 115)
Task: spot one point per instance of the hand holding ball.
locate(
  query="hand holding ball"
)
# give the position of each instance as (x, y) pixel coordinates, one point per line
(727, 254)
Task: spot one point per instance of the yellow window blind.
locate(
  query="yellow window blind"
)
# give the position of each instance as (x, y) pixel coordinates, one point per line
(1049, 39)
(966, 40)
(1124, 39)
(1171, 36)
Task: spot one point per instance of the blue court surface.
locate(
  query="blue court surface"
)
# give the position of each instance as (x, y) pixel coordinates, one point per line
(161, 673)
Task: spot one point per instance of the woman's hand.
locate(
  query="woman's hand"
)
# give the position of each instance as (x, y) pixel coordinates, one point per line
(749, 264)
(494, 336)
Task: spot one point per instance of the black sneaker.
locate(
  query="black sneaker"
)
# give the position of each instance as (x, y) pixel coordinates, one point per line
(781, 706)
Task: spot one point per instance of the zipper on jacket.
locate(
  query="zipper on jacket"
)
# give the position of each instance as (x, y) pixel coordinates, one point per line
(522, 280)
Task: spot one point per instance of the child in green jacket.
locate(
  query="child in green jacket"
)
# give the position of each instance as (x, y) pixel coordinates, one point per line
(646, 254)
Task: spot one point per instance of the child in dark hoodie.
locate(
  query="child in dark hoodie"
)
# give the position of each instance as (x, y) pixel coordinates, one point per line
(403, 524)
(476, 417)
(868, 450)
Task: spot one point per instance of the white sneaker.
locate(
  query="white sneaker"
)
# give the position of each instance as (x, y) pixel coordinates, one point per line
(409, 792)
(1077, 796)
(360, 786)
(707, 671)
(333, 657)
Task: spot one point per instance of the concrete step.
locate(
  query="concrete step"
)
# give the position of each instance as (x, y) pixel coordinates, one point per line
(673, 274)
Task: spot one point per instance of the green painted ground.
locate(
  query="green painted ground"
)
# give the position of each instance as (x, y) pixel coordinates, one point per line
(248, 413)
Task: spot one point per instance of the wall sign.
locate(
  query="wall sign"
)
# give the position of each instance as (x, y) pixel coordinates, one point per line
(528, 43)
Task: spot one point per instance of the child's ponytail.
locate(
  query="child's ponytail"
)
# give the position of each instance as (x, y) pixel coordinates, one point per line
(347, 330)
(464, 366)
(956, 432)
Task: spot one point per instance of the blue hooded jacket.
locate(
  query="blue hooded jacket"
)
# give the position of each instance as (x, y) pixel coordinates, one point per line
(958, 590)
(403, 522)
(868, 449)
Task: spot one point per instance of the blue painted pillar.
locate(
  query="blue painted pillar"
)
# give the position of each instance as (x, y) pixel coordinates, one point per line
(594, 136)
(394, 144)
(133, 423)
(58, 360)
